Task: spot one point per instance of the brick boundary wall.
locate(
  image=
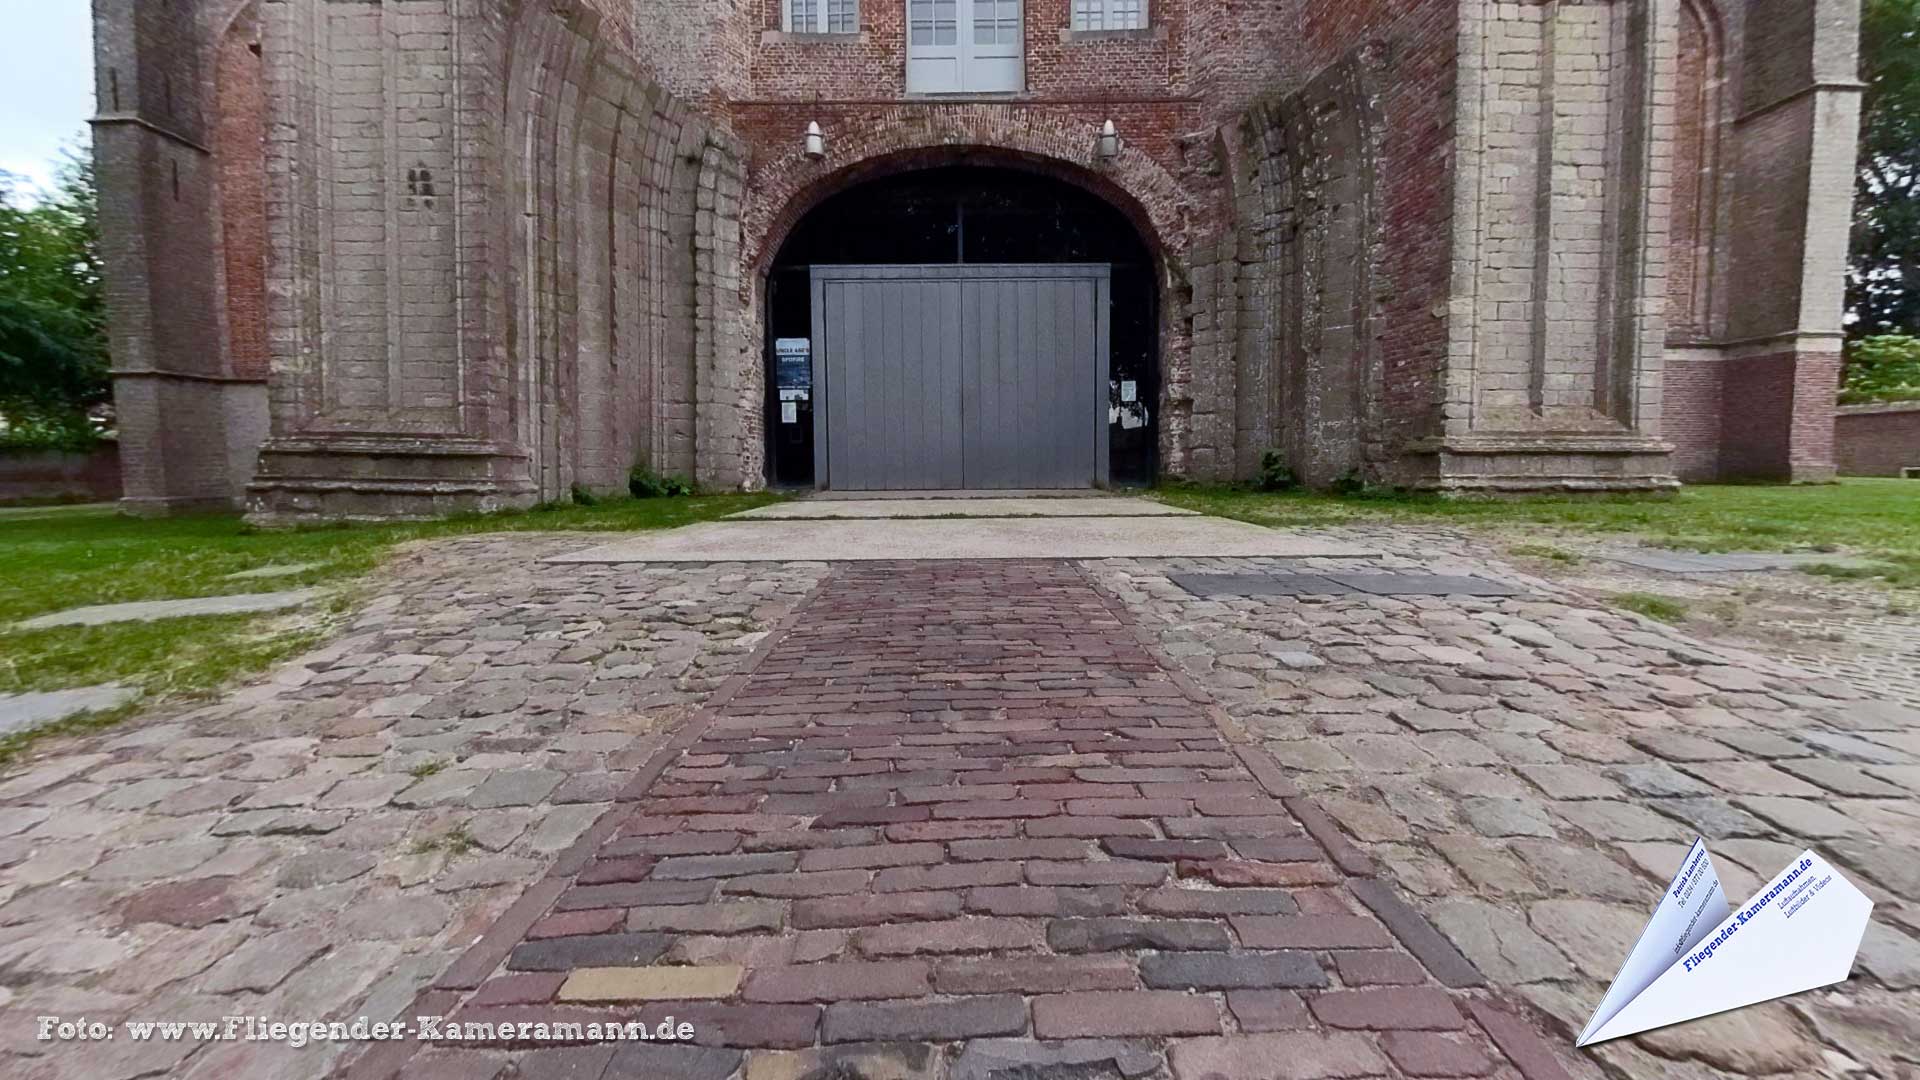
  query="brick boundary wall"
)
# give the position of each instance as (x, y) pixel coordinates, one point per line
(1877, 440)
(61, 474)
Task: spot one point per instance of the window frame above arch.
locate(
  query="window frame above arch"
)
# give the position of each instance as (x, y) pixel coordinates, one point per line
(1096, 16)
(820, 16)
(947, 55)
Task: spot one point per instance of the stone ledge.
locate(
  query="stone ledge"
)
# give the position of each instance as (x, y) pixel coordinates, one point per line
(1878, 408)
(1156, 33)
(1503, 463)
(789, 37)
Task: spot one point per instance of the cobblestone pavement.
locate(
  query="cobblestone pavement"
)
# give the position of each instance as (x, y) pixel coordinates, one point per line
(960, 822)
(1530, 770)
(410, 804)
(325, 841)
(1852, 631)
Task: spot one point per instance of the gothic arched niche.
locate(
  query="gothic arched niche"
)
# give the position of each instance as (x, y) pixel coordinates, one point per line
(239, 144)
(1696, 153)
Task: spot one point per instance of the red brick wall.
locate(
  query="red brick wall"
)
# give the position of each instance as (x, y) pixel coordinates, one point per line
(1816, 383)
(58, 474)
(1150, 62)
(1418, 42)
(1757, 399)
(877, 138)
(1877, 440)
(1777, 417)
(239, 146)
(1691, 416)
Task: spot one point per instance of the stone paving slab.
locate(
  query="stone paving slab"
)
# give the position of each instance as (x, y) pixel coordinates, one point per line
(1735, 562)
(834, 509)
(274, 571)
(1305, 584)
(982, 539)
(147, 610)
(1426, 585)
(19, 712)
(959, 822)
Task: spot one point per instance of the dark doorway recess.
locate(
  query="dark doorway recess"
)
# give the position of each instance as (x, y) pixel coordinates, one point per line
(966, 214)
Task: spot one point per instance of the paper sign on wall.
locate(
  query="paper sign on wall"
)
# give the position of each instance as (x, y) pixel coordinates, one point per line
(793, 363)
(1696, 958)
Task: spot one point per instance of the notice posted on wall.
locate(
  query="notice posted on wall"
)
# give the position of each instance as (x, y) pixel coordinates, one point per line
(793, 363)
(1698, 957)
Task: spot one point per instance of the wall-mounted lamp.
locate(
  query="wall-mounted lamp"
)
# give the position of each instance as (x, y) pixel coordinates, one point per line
(1109, 141)
(816, 142)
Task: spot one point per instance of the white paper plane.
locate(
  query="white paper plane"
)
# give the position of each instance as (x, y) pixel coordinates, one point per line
(1695, 958)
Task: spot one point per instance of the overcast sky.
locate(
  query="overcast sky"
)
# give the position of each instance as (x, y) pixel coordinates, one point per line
(46, 83)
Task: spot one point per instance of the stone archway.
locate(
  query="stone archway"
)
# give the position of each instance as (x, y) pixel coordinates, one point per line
(1149, 198)
(996, 225)
(1142, 195)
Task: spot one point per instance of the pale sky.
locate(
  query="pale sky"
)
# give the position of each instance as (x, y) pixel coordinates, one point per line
(46, 84)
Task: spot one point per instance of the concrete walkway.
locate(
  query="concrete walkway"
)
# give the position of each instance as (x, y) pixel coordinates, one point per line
(823, 508)
(885, 539)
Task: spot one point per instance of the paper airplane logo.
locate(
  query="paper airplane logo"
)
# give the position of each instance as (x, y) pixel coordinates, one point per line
(1696, 957)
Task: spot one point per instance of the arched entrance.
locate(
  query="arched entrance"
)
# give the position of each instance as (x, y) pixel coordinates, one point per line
(962, 326)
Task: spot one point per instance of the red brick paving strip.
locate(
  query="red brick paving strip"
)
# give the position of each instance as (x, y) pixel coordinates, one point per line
(966, 801)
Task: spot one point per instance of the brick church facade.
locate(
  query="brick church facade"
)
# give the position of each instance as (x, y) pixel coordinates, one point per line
(374, 258)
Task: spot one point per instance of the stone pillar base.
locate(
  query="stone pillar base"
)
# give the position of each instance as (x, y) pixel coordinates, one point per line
(1519, 464)
(385, 478)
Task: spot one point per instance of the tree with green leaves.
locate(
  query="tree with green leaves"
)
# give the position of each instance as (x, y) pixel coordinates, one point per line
(53, 346)
(1883, 294)
(1885, 367)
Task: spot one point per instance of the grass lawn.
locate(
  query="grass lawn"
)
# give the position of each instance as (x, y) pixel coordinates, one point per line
(53, 558)
(1871, 518)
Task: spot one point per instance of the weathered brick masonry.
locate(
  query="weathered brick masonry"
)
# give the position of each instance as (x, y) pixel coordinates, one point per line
(1877, 440)
(399, 257)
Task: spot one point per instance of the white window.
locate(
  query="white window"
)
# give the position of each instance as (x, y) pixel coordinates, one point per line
(964, 46)
(1109, 14)
(822, 16)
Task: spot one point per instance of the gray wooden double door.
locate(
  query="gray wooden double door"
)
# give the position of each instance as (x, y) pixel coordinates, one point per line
(975, 377)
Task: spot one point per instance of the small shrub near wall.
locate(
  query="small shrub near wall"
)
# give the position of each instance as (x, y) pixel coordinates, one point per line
(1880, 369)
(644, 483)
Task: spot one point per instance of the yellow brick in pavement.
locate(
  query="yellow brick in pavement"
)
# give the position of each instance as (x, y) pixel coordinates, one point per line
(650, 983)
